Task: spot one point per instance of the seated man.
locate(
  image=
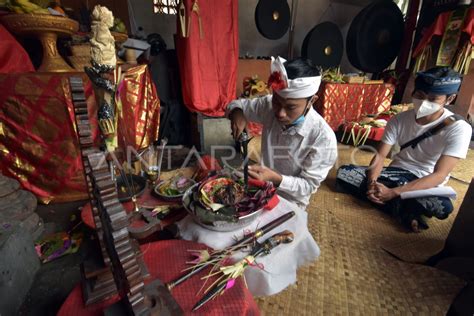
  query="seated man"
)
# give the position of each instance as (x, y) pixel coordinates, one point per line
(424, 161)
(298, 146)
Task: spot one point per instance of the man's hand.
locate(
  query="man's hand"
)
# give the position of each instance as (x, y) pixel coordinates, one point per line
(265, 174)
(238, 122)
(379, 193)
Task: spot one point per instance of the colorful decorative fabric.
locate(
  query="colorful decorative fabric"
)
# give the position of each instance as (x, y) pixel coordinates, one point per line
(451, 37)
(38, 142)
(455, 50)
(438, 28)
(139, 120)
(208, 61)
(340, 102)
(428, 82)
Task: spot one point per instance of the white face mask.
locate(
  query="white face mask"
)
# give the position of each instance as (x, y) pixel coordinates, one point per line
(424, 107)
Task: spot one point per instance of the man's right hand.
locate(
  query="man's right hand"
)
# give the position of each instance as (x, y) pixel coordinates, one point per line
(238, 122)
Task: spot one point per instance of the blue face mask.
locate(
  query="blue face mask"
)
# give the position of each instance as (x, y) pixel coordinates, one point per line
(298, 121)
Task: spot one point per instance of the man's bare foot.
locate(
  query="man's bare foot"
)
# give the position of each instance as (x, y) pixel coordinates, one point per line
(414, 226)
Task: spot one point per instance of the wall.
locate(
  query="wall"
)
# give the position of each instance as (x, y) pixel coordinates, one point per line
(310, 13)
(163, 24)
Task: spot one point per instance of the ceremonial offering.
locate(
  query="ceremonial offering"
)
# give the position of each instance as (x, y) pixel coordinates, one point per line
(137, 187)
(174, 188)
(221, 202)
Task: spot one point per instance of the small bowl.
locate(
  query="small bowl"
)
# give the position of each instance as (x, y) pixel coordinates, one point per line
(178, 197)
(139, 185)
(219, 226)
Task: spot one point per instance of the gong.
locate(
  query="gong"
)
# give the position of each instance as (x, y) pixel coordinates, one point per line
(375, 36)
(272, 18)
(324, 45)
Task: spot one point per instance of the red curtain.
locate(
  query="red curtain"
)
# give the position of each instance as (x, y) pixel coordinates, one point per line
(208, 65)
(13, 58)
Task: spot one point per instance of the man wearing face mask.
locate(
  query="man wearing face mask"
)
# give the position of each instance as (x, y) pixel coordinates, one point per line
(298, 146)
(432, 141)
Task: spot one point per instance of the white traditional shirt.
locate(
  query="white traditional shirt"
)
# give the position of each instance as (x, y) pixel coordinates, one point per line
(302, 154)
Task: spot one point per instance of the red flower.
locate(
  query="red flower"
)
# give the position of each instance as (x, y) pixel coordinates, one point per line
(276, 82)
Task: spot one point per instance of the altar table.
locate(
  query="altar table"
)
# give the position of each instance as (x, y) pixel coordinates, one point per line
(339, 103)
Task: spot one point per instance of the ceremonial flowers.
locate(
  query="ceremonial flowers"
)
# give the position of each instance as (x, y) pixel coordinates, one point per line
(276, 82)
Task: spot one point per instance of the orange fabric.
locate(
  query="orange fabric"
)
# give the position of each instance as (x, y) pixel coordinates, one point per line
(13, 58)
(140, 120)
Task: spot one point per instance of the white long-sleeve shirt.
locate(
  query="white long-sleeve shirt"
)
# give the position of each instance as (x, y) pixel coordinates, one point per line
(302, 154)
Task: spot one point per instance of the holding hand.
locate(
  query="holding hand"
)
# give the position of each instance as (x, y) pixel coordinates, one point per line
(238, 123)
(379, 193)
(265, 174)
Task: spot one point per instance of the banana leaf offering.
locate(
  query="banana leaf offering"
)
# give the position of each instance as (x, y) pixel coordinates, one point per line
(223, 198)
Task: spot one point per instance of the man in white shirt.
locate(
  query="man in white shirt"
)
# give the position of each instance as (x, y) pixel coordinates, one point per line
(298, 146)
(424, 161)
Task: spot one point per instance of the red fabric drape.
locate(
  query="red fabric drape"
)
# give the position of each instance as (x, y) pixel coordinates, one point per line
(38, 141)
(13, 58)
(208, 66)
(165, 260)
(439, 26)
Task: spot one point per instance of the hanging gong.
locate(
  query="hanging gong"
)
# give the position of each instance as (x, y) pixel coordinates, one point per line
(375, 36)
(272, 18)
(324, 45)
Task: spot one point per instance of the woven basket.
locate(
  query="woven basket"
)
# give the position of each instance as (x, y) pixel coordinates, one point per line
(81, 50)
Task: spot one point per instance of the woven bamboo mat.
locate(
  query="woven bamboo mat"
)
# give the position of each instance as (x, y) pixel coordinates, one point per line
(386, 232)
(353, 276)
(464, 170)
(358, 272)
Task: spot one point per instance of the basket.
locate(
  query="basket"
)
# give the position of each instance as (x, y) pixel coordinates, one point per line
(81, 50)
(79, 62)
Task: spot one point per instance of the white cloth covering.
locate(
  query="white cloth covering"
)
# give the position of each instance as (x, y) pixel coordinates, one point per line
(281, 264)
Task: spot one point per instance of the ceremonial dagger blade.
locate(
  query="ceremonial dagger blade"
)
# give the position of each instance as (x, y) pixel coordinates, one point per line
(284, 237)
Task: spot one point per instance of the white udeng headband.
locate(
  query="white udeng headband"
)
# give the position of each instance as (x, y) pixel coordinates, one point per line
(297, 88)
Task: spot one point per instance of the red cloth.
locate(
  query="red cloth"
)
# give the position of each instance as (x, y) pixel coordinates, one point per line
(339, 103)
(439, 26)
(375, 133)
(166, 260)
(208, 66)
(13, 58)
(38, 142)
(255, 129)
